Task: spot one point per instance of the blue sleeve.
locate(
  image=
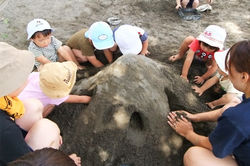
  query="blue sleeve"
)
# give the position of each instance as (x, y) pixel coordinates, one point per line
(144, 37)
(225, 138)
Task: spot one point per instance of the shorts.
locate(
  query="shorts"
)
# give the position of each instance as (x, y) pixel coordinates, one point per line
(190, 4)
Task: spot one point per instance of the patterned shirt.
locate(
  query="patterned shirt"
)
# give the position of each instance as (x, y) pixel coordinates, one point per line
(50, 52)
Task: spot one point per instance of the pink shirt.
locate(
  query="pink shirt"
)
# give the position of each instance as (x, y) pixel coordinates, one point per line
(33, 90)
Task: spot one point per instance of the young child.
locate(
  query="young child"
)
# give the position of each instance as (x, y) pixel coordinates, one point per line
(202, 49)
(131, 39)
(229, 142)
(14, 140)
(189, 3)
(84, 42)
(52, 86)
(232, 94)
(46, 47)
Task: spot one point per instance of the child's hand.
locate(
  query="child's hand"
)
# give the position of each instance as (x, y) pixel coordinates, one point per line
(198, 80)
(177, 7)
(145, 53)
(76, 159)
(197, 90)
(185, 78)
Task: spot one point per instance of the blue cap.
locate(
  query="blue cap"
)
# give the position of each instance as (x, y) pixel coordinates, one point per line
(101, 35)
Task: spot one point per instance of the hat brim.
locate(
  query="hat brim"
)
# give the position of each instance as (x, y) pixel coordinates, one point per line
(14, 74)
(204, 39)
(38, 30)
(104, 44)
(220, 58)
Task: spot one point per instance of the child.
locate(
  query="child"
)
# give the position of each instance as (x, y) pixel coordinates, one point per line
(229, 142)
(131, 40)
(189, 3)
(46, 47)
(232, 94)
(84, 42)
(52, 86)
(14, 141)
(202, 49)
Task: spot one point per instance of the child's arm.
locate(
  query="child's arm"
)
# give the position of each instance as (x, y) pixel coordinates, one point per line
(78, 99)
(209, 1)
(95, 62)
(210, 82)
(210, 72)
(108, 55)
(42, 59)
(144, 50)
(187, 64)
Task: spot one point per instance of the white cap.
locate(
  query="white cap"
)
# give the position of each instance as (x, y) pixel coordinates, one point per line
(214, 36)
(128, 39)
(220, 58)
(37, 25)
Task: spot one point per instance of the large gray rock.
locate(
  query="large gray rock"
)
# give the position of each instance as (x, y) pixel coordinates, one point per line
(125, 123)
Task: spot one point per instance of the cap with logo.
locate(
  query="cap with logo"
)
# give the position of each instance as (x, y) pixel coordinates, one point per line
(101, 35)
(37, 25)
(57, 79)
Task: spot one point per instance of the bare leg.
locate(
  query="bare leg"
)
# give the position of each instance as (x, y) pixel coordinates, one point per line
(195, 4)
(183, 49)
(66, 54)
(79, 56)
(184, 3)
(44, 133)
(198, 156)
(226, 98)
(33, 113)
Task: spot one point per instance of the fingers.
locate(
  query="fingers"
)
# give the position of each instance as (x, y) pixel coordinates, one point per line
(76, 159)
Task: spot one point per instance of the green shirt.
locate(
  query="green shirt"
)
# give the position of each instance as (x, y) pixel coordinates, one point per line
(80, 42)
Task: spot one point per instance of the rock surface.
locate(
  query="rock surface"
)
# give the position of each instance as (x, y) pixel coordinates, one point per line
(125, 123)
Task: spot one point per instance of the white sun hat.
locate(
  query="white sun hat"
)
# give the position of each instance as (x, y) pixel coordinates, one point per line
(214, 36)
(37, 25)
(220, 58)
(128, 40)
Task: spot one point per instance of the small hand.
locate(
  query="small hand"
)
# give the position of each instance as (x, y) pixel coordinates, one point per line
(76, 159)
(182, 126)
(145, 53)
(177, 7)
(197, 90)
(185, 78)
(198, 80)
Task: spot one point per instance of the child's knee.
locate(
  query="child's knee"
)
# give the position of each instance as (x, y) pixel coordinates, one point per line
(44, 133)
(195, 3)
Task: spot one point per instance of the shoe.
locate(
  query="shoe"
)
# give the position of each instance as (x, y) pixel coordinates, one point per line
(203, 8)
(114, 21)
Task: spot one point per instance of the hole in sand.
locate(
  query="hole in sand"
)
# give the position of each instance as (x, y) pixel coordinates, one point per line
(136, 121)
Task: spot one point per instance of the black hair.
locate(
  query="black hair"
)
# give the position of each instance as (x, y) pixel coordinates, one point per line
(239, 56)
(45, 33)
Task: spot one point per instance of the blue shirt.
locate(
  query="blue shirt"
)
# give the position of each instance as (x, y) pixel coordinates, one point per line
(232, 133)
